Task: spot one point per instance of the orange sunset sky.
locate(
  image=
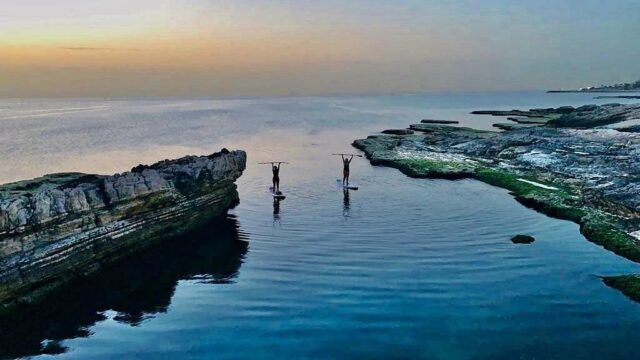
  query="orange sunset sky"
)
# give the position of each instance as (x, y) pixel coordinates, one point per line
(230, 48)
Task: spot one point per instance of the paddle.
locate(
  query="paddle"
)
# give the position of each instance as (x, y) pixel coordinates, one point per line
(348, 155)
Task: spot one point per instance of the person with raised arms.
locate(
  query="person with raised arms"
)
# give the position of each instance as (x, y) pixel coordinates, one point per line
(345, 171)
(346, 161)
(275, 170)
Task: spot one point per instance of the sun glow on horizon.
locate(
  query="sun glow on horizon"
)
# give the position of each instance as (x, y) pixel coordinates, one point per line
(224, 47)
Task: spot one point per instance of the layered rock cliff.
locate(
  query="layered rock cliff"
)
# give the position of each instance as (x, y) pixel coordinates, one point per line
(62, 226)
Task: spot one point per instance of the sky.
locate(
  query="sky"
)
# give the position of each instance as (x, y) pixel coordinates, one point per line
(79, 48)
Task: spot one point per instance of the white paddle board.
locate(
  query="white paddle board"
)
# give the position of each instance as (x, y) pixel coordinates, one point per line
(277, 195)
(344, 186)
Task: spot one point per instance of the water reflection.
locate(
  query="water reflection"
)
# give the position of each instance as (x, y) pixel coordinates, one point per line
(135, 289)
(346, 203)
(276, 211)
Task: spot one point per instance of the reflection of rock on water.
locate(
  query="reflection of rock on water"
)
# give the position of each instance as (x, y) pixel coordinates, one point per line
(135, 289)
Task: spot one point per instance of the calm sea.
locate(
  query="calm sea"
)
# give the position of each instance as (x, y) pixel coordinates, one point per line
(401, 268)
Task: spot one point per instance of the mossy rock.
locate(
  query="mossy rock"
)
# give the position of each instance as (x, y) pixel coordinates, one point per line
(611, 237)
(629, 285)
(435, 169)
(523, 239)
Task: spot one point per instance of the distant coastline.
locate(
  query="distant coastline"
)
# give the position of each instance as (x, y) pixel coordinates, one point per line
(594, 91)
(624, 87)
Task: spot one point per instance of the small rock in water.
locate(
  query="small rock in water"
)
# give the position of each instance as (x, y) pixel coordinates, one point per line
(398, 132)
(522, 239)
(429, 121)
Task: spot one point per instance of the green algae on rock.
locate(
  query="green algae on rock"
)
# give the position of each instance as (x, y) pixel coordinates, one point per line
(577, 175)
(629, 285)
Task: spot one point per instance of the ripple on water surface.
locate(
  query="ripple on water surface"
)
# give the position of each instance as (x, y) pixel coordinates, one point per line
(400, 268)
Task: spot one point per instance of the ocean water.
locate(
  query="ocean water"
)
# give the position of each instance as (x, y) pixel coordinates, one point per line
(401, 268)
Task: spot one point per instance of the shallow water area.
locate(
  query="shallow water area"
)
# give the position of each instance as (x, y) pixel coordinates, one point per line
(401, 267)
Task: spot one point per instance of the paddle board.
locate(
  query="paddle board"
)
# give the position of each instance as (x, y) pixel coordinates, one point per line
(344, 186)
(277, 195)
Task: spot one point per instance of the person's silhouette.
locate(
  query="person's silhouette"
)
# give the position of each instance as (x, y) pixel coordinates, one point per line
(345, 172)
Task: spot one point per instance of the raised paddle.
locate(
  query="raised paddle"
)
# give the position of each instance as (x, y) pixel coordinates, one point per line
(348, 155)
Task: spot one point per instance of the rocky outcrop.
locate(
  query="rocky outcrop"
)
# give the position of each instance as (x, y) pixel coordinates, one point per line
(586, 176)
(590, 116)
(583, 117)
(619, 97)
(62, 226)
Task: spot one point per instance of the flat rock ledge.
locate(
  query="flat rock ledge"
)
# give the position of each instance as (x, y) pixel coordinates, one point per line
(583, 117)
(64, 226)
(589, 176)
(431, 121)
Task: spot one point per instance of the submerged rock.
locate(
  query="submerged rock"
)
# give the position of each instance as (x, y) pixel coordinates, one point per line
(522, 239)
(61, 226)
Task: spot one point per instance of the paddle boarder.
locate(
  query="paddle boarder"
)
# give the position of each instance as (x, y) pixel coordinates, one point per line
(276, 177)
(275, 170)
(345, 172)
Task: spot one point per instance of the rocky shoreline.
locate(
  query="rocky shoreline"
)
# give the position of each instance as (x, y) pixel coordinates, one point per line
(583, 117)
(566, 167)
(61, 227)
